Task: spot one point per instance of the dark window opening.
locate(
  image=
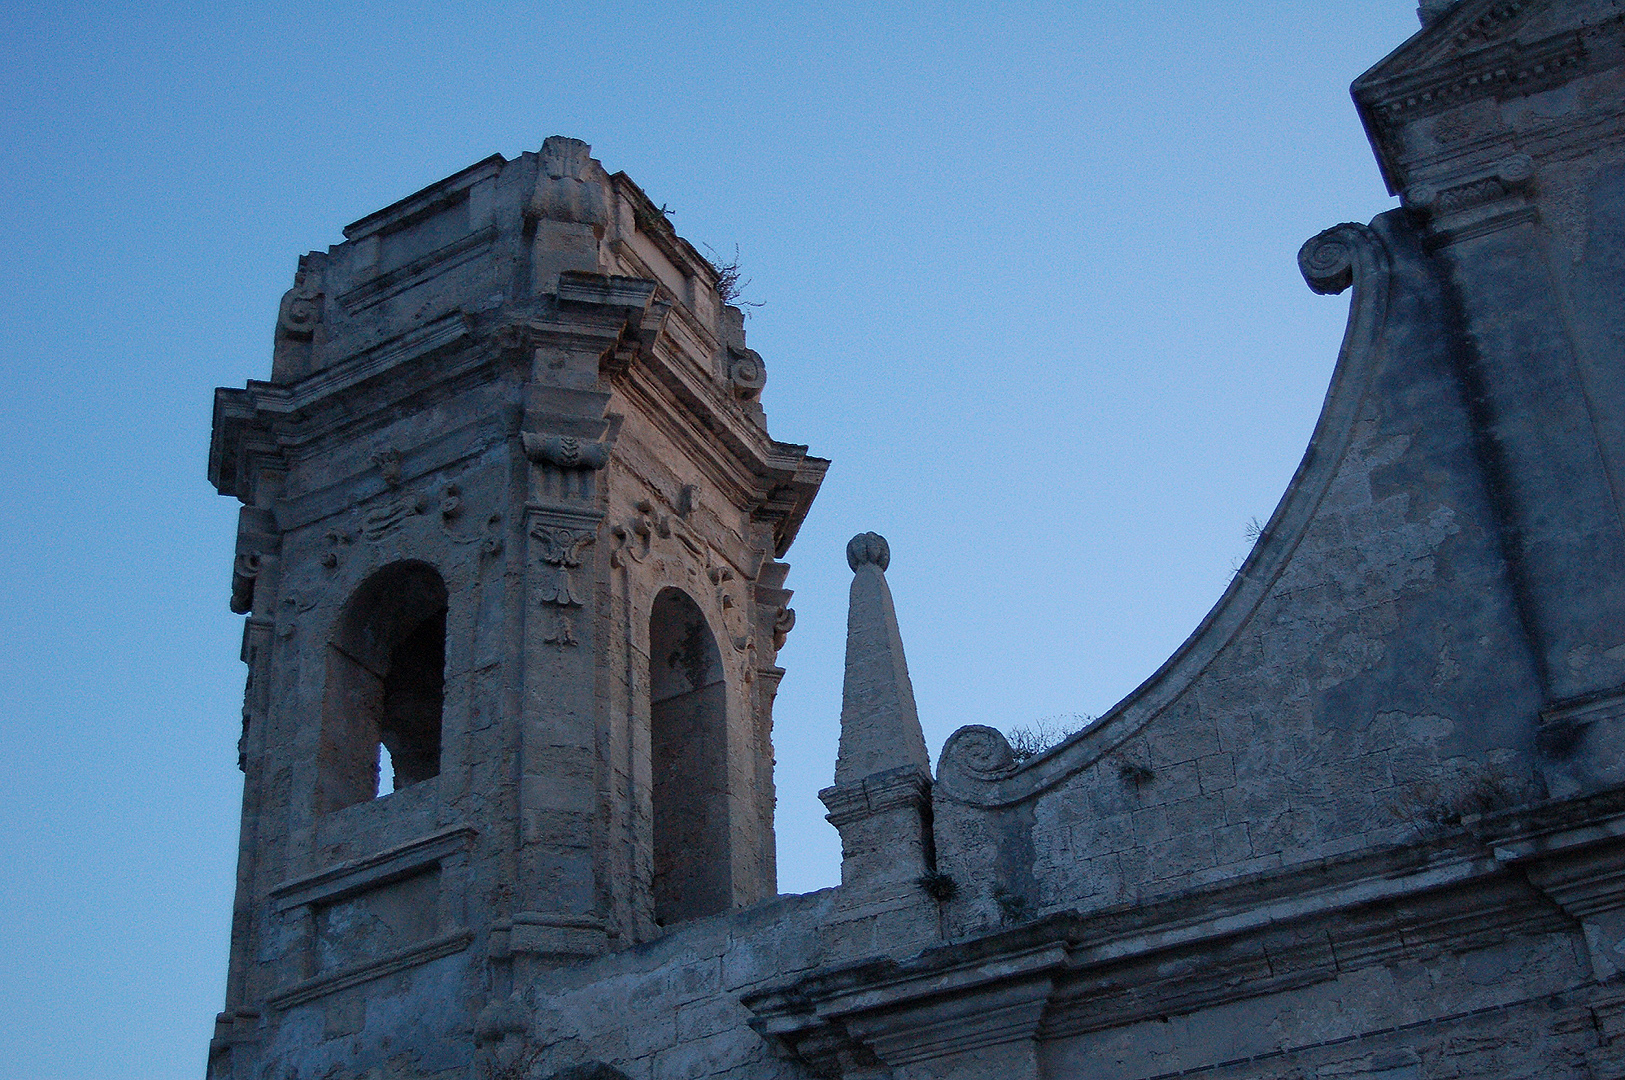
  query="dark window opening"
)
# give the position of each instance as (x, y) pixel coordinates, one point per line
(688, 744)
(414, 693)
(386, 686)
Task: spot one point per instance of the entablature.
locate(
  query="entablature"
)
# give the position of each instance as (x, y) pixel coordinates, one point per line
(1068, 974)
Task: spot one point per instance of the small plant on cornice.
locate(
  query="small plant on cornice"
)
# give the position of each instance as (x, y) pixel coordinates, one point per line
(730, 285)
(1253, 531)
(938, 886)
(1012, 906)
(1134, 774)
(1030, 740)
(1444, 803)
(1481, 792)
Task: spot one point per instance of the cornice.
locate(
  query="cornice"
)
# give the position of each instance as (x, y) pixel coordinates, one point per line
(653, 224)
(1214, 945)
(274, 423)
(425, 201)
(757, 473)
(1392, 96)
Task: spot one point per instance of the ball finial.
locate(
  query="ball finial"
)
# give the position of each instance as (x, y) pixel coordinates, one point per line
(865, 548)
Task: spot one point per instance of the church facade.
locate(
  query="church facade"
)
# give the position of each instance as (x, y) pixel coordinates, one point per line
(510, 556)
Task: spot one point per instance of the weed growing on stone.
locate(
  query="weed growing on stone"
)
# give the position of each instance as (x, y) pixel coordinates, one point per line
(938, 886)
(1030, 740)
(730, 285)
(1133, 773)
(1012, 906)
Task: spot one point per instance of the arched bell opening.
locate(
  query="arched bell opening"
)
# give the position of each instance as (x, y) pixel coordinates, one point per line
(386, 685)
(688, 732)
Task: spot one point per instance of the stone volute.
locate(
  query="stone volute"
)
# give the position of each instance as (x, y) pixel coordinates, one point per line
(880, 801)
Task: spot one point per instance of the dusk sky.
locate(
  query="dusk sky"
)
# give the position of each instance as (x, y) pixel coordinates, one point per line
(1026, 274)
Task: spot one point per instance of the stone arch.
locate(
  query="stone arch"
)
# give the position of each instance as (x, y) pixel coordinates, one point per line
(688, 735)
(386, 684)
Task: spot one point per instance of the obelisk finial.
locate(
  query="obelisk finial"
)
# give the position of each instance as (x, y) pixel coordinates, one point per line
(880, 729)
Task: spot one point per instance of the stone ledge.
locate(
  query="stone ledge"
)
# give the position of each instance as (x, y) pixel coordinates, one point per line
(309, 989)
(368, 872)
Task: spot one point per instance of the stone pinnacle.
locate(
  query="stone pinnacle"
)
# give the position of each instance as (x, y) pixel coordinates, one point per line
(880, 729)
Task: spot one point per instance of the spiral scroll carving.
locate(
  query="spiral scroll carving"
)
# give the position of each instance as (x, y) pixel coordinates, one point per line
(746, 372)
(979, 752)
(1327, 259)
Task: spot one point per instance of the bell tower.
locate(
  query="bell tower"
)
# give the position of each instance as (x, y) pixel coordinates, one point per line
(509, 555)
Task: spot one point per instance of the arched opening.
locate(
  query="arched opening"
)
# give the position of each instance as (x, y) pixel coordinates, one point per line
(688, 734)
(386, 685)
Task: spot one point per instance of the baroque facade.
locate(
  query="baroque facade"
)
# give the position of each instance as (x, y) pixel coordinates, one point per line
(513, 525)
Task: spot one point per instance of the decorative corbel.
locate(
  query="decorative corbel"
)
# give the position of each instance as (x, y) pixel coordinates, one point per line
(746, 373)
(564, 451)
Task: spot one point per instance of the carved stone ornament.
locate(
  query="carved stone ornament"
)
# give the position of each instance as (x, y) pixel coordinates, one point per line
(492, 545)
(566, 184)
(336, 539)
(1510, 177)
(382, 519)
(451, 501)
(981, 752)
(301, 308)
(866, 548)
(564, 451)
(389, 465)
(564, 631)
(1327, 260)
(783, 623)
(561, 549)
(746, 373)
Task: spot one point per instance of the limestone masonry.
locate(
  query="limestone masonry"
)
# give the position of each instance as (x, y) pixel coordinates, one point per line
(512, 526)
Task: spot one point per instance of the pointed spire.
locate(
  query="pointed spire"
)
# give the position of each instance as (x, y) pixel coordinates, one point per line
(880, 729)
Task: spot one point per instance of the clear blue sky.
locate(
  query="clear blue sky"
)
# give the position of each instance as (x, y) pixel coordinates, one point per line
(1027, 275)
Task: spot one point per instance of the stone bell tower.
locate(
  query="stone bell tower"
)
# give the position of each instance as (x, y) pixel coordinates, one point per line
(508, 554)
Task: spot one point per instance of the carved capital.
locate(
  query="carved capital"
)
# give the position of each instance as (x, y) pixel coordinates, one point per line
(1467, 206)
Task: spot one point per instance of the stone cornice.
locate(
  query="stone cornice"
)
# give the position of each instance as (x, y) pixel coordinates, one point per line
(776, 481)
(264, 419)
(1458, 61)
(1074, 972)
